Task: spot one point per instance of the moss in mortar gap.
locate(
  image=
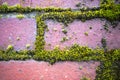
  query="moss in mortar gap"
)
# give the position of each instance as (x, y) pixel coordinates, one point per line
(4, 8)
(108, 70)
(20, 16)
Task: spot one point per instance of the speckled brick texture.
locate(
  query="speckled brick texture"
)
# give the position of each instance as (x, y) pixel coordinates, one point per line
(54, 3)
(33, 70)
(18, 33)
(89, 33)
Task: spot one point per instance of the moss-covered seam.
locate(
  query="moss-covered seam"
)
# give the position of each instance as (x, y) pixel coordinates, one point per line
(17, 8)
(4, 8)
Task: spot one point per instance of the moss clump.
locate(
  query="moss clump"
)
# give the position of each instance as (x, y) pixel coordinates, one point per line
(57, 47)
(10, 47)
(104, 43)
(55, 29)
(47, 29)
(0, 16)
(40, 34)
(86, 33)
(106, 27)
(18, 38)
(28, 46)
(78, 5)
(64, 39)
(4, 7)
(80, 67)
(20, 16)
(64, 31)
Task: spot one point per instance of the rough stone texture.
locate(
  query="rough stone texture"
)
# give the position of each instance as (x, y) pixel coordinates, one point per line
(18, 33)
(33, 70)
(54, 3)
(80, 33)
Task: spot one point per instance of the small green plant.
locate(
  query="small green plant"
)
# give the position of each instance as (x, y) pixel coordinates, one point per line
(18, 38)
(106, 27)
(28, 46)
(78, 4)
(20, 16)
(86, 33)
(80, 67)
(5, 4)
(0, 16)
(85, 78)
(47, 29)
(55, 29)
(64, 39)
(10, 47)
(83, 20)
(85, 8)
(64, 31)
(4, 7)
(57, 47)
(104, 43)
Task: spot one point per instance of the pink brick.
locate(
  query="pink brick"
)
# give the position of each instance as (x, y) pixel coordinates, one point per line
(11, 29)
(33, 70)
(76, 34)
(54, 3)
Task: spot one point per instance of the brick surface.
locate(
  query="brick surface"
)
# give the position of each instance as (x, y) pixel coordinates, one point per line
(54, 3)
(80, 33)
(17, 33)
(33, 70)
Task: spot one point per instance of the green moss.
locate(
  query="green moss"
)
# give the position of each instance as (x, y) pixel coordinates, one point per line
(18, 38)
(80, 67)
(78, 5)
(64, 39)
(4, 8)
(104, 43)
(10, 47)
(86, 33)
(28, 46)
(47, 29)
(0, 16)
(55, 29)
(106, 27)
(20, 16)
(107, 69)
(64, 31)
(40, 34)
